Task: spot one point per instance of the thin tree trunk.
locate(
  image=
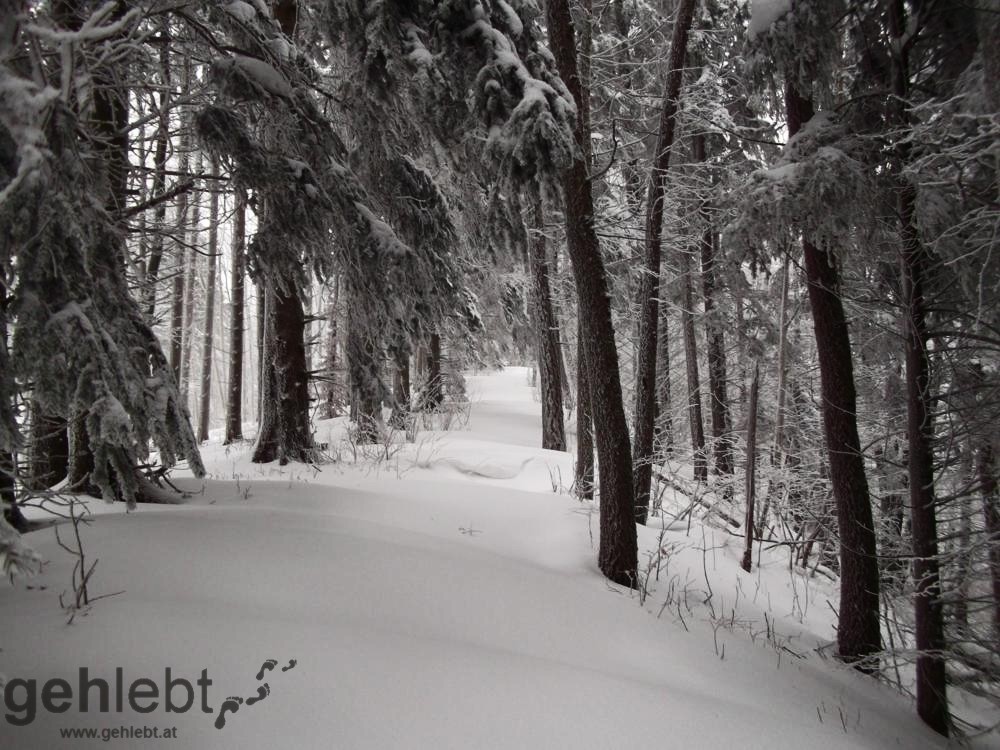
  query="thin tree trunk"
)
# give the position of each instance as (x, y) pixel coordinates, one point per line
(618, 555)
(751, 469)
(190, 278)
(159, 171)
(715, 339)
(663, 438)
(932, 701)
(777, 448)
(206, 352)
(549, 356)
(986, 472)
(858, 635)
(49, 449)
(177, 301)
(695, 419)
(649, 283)
(584, 420)
(400, 390)
(234, 405)
(433, 392)
(363, 364)
(332, 338)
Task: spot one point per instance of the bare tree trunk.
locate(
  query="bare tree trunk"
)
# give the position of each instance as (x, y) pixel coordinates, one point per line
(190, 279)
(332, 339)
(663, 437)
(363, 364)
(400, 390)
(159, 171)
(433, 392)
(49, 446)
(695, 419)
(986, 471)
(285, 433)
(206, 352)
(858, 635)
(751, 470)
(584, 420)
(177, 297)
(549, 355)
(234, 404)
(932, 701)
(778, 447)
(649, 283)
(715, 339)
(618, 554)
(263, 300)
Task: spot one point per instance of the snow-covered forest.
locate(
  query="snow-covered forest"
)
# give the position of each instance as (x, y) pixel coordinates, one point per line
(500, 373)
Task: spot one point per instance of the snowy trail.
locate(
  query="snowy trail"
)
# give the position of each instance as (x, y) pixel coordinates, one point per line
(425, 608)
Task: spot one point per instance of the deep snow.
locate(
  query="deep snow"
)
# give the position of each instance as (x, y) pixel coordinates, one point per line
(443, 597)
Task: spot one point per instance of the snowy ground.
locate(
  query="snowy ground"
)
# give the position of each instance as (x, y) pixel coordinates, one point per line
(445, 596)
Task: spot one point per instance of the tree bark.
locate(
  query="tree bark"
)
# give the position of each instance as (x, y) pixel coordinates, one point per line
(433, 391)
(177, 296)
(695, 419)
(649, 283)
(49, 449)
(618, 555)
(285, 433)
(332, 339)
(715, 339)
(549, 355)
(751, 470)
(209, 326)
(159, 171)
(932, 701)
(190, 279)
(234, 404)
(858, 634)
(584, 478)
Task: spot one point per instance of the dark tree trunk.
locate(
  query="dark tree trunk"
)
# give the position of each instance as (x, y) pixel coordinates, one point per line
(234, 403)
(190, 279)
(751, 470)
(363, 365)
(858, 635)
(177, 295)
(400, 390)
(986, 473)
(618, 555)
(159, 172)
(263, 300)
(932, 701)
(332, 342)
(649, 283)
(433, 392)
(584, 419)
(664, 435)
(549, 354)
(49, 449)
(285, 433)
(695, 419)
(209, 326)
(717, 398)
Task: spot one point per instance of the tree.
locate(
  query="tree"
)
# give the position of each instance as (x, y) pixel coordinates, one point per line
(649, 286)
(618, 556)
(234, 400)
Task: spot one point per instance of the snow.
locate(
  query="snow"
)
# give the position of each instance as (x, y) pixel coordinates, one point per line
(446, 596)
(241, 11)
(763, 13)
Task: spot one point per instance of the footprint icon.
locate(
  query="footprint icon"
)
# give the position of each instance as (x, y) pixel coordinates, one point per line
(262, 692)
(229, 706)
(267, 666)
(291, 665)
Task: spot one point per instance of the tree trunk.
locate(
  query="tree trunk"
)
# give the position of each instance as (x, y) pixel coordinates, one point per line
(778, 447)
(49, 449)
(932, 701)
(717, 398)
(549, 355)
(159, 172)
(177, 296)
(433, 392)
(663, 437)
(986, 471)
(234, 404)
(695, 419)
(206, 352)
(400, 390)
(618, 555)
(750, 487)
(332, 338)
(649, 283)
(363, 364)
(190, 278)
(858, 635)
(285, 433)
(584, 478)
